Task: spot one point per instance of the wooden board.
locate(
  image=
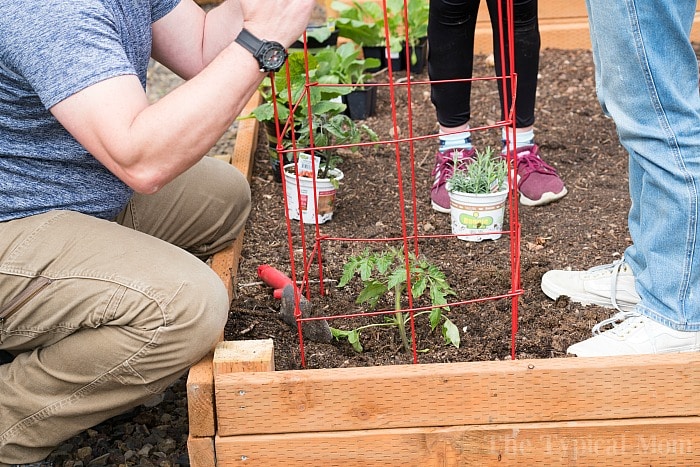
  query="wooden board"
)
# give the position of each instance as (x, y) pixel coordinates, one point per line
(642, 442)
(426, 395)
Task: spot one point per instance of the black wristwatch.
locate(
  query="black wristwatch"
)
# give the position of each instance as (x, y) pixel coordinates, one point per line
(269, 54)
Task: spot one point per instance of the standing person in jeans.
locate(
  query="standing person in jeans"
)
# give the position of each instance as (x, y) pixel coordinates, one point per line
(108, 206)
(451, 28)
(647, 80)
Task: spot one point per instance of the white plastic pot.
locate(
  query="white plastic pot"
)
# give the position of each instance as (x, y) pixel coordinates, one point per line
(477, 217)
(323, 197)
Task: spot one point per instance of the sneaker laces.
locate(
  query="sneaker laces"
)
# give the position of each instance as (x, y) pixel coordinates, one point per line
(529, 161)
(614, 268)
(444, 163)
(617, 321)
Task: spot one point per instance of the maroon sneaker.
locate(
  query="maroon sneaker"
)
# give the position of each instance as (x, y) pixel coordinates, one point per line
(444, 167)
(538, 182)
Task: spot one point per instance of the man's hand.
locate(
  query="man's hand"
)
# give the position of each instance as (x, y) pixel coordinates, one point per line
(283, 21)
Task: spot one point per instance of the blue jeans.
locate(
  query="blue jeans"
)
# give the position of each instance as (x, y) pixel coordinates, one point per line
(647, 81)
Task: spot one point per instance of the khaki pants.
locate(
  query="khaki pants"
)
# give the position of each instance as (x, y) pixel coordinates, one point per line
(103, 315)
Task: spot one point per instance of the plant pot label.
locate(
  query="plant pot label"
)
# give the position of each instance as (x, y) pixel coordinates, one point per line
(477, 217)
(304, 165)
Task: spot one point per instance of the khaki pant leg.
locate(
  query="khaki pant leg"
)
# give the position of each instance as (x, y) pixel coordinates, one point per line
(202, 211)
(115, 314)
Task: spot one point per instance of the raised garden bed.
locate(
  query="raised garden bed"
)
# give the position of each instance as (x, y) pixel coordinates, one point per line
(546, 411)
(523, 412)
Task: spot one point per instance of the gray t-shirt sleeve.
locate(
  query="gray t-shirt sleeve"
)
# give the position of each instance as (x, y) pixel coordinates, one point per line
(106, 38)
(50, 50)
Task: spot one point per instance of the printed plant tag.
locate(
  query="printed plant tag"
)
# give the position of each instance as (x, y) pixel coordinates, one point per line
(304, 166)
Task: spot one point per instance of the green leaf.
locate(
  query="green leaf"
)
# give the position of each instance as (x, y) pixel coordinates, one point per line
(371, 293)
(353, 337)
(348, 271)
(397, 277)
(450, 333)
(418, 286)
(435, 315)
(365, 268)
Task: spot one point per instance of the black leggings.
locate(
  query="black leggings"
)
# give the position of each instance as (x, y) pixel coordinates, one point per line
(451, 56)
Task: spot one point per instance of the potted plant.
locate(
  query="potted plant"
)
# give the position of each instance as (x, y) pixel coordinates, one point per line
(312, 200)
(417, 47)
(328, 129)
(346, 63)
(478, 191)
(363, 23)
(324, 101)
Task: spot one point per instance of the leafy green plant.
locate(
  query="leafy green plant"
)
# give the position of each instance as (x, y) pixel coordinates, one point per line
(320, 33)
(487, 173)
(345, 63)
(325, 165)
(321, 97)
(418, 12)
(417, 16)
(332, 130)
(383, 274)
(363, 22)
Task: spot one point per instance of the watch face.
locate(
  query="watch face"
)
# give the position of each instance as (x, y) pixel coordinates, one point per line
(273, 57)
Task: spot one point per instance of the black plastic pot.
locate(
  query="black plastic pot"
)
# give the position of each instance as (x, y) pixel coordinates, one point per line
(313, 44)
(378, 52)
(361, 103)
(397, 64)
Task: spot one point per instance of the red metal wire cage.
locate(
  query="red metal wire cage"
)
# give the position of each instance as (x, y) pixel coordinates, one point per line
(311, 242)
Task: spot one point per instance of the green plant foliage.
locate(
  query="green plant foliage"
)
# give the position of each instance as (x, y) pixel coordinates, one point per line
(487, 173)
(418, 12)
(383, 275)
(320, 33)
(363, 22)
(327, 125)
(344, 63)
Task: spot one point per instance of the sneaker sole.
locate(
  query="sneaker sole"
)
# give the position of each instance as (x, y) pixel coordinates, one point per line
(439, 208)
(555, 293)
(546, 198)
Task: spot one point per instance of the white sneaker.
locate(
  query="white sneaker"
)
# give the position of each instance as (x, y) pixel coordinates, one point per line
(634, 334)
(610, 286)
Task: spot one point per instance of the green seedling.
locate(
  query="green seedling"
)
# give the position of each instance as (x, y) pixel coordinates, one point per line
(383, 274)
(487, 173)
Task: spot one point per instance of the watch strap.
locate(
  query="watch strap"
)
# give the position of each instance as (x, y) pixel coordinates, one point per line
(249, 42)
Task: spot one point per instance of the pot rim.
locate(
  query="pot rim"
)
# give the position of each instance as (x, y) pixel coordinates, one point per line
(336, 172)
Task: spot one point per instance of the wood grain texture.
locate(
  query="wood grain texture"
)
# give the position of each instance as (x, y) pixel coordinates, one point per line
(519, 391)
(641, 442)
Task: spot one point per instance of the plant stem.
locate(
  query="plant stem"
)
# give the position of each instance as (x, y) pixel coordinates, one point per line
(399, 319)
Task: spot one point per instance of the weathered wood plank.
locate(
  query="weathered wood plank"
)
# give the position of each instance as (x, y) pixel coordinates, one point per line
(244, 356)
(444, 394)
(642, 442)
(200, 398)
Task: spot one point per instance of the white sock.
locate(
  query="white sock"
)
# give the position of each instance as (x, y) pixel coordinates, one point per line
(461, 140)
(523, 138)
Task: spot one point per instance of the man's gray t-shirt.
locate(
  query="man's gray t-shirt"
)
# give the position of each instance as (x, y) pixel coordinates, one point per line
(49, 50)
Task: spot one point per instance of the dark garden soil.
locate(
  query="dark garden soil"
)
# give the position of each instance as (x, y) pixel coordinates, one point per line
(586, 228)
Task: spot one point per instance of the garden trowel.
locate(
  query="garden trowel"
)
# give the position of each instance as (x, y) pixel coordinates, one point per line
(285, 290)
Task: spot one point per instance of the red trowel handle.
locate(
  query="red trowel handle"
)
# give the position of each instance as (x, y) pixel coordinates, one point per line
(274, 278)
